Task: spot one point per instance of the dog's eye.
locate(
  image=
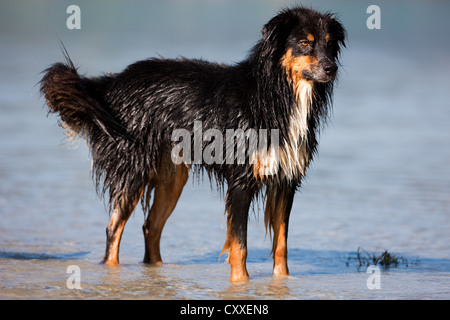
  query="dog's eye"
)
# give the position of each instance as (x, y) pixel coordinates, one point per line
(304, 43)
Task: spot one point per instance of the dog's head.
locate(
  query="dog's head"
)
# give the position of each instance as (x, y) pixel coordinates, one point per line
(306, 43)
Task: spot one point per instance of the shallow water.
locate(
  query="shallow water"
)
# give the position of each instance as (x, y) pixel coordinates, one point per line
(381, 180)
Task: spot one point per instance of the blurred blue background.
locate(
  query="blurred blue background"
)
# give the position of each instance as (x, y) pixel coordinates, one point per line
(381, 180)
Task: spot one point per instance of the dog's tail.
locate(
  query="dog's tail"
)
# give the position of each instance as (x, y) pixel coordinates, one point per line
(79, 101)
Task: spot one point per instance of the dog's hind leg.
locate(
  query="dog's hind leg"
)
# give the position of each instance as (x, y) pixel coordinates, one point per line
(123, 207)
(168, 187)
(237, 206)
(276, 218)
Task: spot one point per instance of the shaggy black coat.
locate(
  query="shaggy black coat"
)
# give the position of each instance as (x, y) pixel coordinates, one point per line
(128, 118)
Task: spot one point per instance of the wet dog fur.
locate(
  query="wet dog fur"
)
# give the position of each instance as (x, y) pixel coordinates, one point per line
(127, 119)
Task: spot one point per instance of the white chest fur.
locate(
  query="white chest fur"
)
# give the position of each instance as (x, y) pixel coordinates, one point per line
(289, 155)
(293, 156)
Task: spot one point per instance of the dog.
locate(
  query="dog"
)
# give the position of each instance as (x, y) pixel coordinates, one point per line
(127, 119)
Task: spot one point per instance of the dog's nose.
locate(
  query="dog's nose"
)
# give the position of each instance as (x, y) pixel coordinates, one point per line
(330, 68)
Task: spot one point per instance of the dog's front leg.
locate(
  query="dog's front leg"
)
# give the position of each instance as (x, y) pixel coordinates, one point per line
(278, 208)
(237, 205)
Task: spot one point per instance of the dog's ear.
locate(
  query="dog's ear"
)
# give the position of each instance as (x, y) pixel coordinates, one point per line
(275, 34)
(339, 31)
(339, 34)
(277, 26)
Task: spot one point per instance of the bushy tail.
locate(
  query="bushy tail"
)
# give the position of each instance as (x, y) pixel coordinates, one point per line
(79, 101)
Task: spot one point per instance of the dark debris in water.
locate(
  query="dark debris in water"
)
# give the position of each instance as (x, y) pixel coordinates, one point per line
(384, 259)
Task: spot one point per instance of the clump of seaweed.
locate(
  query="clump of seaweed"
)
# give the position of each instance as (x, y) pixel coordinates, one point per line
(385, 259)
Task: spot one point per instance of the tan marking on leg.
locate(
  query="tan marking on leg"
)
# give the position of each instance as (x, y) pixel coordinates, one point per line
(280, 255)
(167, 192)
(274, 221)
(237, 256)
(122, 212)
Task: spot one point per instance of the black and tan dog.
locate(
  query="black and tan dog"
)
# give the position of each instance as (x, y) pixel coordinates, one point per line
(128, 118)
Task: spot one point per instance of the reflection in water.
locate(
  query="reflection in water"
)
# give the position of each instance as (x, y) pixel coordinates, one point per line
(279, 287)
